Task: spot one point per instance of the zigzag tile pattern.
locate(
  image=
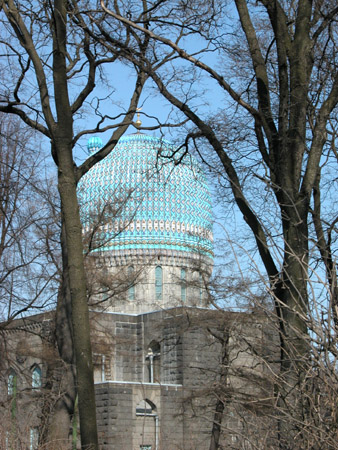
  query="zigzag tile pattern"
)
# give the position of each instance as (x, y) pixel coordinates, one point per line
(146, 195)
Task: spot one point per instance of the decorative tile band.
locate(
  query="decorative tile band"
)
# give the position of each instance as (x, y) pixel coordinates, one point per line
(139, 227)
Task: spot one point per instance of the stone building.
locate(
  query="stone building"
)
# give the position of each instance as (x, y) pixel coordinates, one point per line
(163, 361)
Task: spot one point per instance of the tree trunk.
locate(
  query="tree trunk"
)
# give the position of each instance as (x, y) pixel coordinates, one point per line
(220, 404)
(59, 422)
(78, 291)
(295, 350)
(62, 148)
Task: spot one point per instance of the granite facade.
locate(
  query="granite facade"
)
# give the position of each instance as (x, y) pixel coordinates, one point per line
(158, 376)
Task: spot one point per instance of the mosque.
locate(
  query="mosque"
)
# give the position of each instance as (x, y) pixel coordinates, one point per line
(164, 360)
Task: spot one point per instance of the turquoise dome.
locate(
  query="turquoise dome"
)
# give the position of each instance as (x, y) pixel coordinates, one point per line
(150, 198)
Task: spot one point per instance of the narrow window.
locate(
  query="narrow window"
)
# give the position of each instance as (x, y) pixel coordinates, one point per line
(33, 439)
(36, 377)
(158, 283)
(131, 289)
(201, 287)
(12, 382)
(183, 285)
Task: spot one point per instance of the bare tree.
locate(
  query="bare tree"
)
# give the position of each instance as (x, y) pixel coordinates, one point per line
(28, 277)
(48, 49)
(275, 140)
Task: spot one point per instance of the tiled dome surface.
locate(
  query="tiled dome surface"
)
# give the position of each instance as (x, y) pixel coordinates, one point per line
(166, 206)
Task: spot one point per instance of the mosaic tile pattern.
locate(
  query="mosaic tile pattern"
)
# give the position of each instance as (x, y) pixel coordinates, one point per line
(145, 195)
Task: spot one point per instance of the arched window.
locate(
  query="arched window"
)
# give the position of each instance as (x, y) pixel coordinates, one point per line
(183, 285)
(131, 289)
(149, 428)
(158, 283)
(36, 377)
(12, 382)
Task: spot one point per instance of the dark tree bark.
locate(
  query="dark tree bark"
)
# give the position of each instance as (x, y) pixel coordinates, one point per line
(59, 420)
(221, 401)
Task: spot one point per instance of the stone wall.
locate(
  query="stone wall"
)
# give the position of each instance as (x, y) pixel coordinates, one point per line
(131, 415)
(199, 356)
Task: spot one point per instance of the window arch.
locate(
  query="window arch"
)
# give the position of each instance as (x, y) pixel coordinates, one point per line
(183, 285)
(12, 382)
(145, 407)
(36, 377)
(158, 283)
(131, 289)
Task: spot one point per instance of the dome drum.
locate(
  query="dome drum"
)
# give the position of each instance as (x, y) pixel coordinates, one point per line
(152, 257)
(135, 287)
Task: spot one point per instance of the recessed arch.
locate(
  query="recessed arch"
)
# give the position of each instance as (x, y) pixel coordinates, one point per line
(155, 346)
(153, 359)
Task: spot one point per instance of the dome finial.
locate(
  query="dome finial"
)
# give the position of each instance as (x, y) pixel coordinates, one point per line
(94, 144)
(138, 122)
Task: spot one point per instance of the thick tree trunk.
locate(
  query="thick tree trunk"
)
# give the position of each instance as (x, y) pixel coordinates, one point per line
(59, 422)
(78, 291)
(295, 350)
(62, 149)
(221, 400)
